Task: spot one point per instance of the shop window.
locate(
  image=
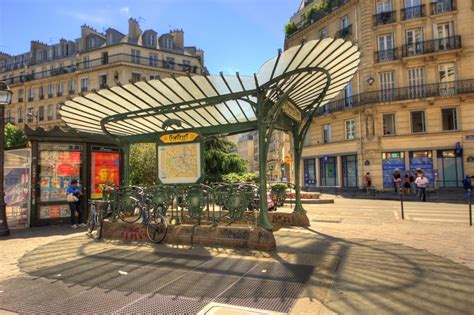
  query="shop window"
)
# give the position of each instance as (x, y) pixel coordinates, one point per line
(350, 129)
(418, 122)
(450, 118)
(389, 124)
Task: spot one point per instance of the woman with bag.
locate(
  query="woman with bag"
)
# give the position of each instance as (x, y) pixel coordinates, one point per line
(74, 195)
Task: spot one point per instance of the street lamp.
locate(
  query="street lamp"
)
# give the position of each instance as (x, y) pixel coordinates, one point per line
(5, 99)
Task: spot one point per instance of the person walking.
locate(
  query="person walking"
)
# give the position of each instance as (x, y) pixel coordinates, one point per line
(422, 183)
(412, 184)
(74, 195)
(406, 183)
(368, 182)
(466, 182)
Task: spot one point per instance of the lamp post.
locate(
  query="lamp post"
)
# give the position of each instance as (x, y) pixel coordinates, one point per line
(5, 99)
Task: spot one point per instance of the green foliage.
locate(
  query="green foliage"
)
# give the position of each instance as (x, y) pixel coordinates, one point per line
(279, 187)
(238, 178)
(143, 164)
(322, 8)
(14, 137)
(219, 160)
(290, 28)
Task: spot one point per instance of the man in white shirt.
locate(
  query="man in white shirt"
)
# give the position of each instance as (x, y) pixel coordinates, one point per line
(422, 182)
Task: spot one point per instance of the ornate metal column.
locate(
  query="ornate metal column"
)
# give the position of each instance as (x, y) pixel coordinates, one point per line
(297, 148)
(126, 164)
(5, 99)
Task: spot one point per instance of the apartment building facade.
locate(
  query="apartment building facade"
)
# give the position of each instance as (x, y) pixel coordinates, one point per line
(410, 107)
(44, 77)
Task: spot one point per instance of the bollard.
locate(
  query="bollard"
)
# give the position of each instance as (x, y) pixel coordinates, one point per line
(401, 203)
(469, 191)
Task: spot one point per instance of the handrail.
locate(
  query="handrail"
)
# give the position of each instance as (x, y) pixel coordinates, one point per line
(432, 46)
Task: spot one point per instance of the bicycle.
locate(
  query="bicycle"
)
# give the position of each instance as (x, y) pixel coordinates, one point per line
(157, 201)
(96, 218)
(131, 204)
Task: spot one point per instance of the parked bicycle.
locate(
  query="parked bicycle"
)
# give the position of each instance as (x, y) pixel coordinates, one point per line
(99, 210)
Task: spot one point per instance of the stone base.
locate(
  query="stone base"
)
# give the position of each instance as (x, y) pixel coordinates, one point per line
(287, 219)
(229, 236)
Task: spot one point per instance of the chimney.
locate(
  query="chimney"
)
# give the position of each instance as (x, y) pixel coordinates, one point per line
(178, 38)
(134, 31)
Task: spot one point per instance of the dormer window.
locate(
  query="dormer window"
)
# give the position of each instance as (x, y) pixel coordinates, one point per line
(39, 56)
(91, 42)
(50, 53)
(151, 40)
(168, 43)
(110, 38)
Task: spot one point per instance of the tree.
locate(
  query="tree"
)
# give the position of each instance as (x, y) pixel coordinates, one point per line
(143, 164)
(220, 160)
(14, 137)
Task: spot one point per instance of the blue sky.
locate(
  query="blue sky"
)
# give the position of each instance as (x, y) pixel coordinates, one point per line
(236, 35)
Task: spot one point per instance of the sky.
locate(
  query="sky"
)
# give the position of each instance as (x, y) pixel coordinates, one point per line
(236, 35)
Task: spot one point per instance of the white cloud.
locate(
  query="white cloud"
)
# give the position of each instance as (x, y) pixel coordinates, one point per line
(125, 11)
(102, 19)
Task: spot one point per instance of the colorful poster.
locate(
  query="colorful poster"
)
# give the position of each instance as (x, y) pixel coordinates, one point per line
(105, 171)
(54, 211)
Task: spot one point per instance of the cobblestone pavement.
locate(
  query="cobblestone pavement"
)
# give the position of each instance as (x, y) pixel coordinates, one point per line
(357, 257)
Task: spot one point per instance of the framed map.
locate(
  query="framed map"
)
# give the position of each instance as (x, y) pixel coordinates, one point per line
(179, 163)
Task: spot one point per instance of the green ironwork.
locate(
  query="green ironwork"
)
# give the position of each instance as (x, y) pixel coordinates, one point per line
(279, 193)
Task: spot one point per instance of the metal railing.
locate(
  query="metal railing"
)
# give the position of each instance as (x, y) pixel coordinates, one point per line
(442, 6)
(413, 12)
(386, 55)
(344, 32)
(404, 93)
(385, 18)
(432, 46)
(94, 63)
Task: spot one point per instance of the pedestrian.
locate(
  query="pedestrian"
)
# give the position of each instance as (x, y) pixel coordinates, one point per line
(422, 183)
(397, 181)
(74, 195)
(466, 182)
(368, 182)
(406, 183)
(412, 184)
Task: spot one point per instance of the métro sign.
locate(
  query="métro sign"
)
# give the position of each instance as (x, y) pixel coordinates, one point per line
(180, 158)
(292, 112)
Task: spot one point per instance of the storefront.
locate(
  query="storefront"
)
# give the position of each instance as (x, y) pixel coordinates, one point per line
(328, 171)
(310, 181)
(349, 171)
(423, 161)
(450, 168)
(58, 157)
(392, 162)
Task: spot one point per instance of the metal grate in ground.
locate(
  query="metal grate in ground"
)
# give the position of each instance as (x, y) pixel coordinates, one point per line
(154, 283)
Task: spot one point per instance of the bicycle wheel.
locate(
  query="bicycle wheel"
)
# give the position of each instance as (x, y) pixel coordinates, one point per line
(92, 220)
(129, 209)
(156, 228)
(99, 223)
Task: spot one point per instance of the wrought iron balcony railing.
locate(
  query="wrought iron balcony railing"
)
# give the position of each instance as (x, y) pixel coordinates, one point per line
(93, 63)
(385, 18)
(400, 94)
(386, 55)
(442, 6)
(432, 46)
(344, 32)
(413, 12)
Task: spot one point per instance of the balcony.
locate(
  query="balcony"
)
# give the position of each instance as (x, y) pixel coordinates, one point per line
(401, 94)
(59, 94)
(344, 32)
(103, 85)
(442, 6)
(41, 97)
(20, 99)
(385, 18)
(432, 46)
(386, 55)
(31, 99)
(50, 95)
(10, 120)
(413, 12)
(84, 89)
(70, 92)
(20, 120)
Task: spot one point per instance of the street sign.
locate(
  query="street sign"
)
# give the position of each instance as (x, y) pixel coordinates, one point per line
(292, 111)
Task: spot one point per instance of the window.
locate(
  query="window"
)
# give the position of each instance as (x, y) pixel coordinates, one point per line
(50, 53)
(135, 56)
(39, 56)
(84, 84)
(327, 133)
(71, 86)
(50, 90)
(389, 124)
(447, 78)
(91, 42)
(105, 58)
(350, 129)
(169, 64)
(41, 92)
(110, 38)
(41, 113)
(418, 122)
(450, 118)
(385, 45)
(345, 22)
(153, 59)
(58, 51)
(412, 9)
(86, 62)
(307, 138)
(58, 115)
(20, 115)
(20, 95)
(414, 42)
(443, 33)
(151, 40)
(323, 33)
(10, 119)
(30, 114)
(168, 43)
(60, 89)
(50, 112)
(31, 94)
(186, 65)
(387, 85)
(416, 81)
(102, 81)
(348, 95)
(384, 6)
(136, 77)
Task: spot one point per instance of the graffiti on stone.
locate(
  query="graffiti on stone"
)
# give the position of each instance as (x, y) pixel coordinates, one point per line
(131, 233)
(235, 234)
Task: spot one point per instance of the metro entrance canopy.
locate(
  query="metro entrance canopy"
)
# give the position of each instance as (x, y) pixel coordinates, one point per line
(284, 94)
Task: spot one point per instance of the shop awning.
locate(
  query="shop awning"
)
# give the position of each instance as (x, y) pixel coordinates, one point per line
(305, 76)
